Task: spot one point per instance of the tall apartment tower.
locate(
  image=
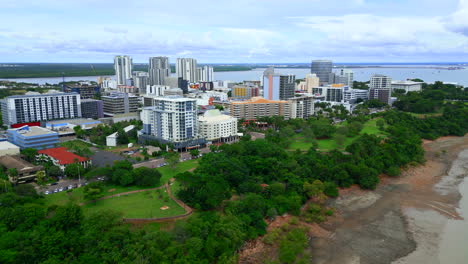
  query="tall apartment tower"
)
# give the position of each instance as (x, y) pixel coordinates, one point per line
(205, 74)
(345, 77)
(277, 86)
(123, 66)
(186, 69)
(159, 69)
(380, 88)
(323, 70)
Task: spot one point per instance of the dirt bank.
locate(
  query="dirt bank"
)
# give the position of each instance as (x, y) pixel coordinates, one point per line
(400, 222)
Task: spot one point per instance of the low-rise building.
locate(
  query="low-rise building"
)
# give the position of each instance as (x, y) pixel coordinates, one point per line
(408, 86)
(351, 95)
(33, 137)
(111, 140)
(61, 157)
(120, 103)
(26, 171)
(91, 108)
(217, 127)
(7, 148)
(258, 107)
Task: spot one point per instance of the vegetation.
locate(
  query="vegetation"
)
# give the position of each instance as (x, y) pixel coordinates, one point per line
(98, 134)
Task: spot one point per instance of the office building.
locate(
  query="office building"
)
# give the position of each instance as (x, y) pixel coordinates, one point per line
(26, 171)
(183, 84)
(217, 127)
(277, 86)
(301, 107)
(383, 95)
(351, 95)
(85, 90)
(91, 108)
(244, 92)
(129, 89)
(379, 81)
(159, 69)
(345, 77)
(32, 137)
(61, 157)
(205, 74)
(120, 103)
(186, 69)
(108, 84)
(140, 81)
(172, 119)
(408, 86)
(123, 66)
(332, 93)
(323, 70)
(34, 107)
(206, 86)
(258, 107)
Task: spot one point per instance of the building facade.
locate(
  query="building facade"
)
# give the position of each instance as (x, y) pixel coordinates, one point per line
(244, 92)
(159, 69)
(277, 86)
(379, 81)
(323, 70)
(408, 86)
(34, 107)
(351, 95)
(91, 108)
(345, 77)
(216, 127)
(301, 107)
(332, 93)
(123, 66)
(140, 81)
(383, 95)
(186, 68)
(258, 107)
(85, 91)
(205, 74)
(33, 137)
(120, 103)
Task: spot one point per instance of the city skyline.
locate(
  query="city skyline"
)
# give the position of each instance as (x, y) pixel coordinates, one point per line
(354, 31)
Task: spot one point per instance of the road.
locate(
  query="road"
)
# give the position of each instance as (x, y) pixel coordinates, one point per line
(156, 163)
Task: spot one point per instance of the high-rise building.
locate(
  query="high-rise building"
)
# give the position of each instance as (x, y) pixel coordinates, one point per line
(120, 103)
(301, 107)
(217, 127)
(323, 70)
(346, 77)
(86, 91)
(379, 81)
(277, 86)
(186, 68)
(123, 66)
(172, 119)
(140, 81)
(244, 91)
(182, 84)
(205, 74)
(332, 93)
(159, 69)
(258, 107)
(311, 81)
(383, 95)
(91, 108)
(34, 107)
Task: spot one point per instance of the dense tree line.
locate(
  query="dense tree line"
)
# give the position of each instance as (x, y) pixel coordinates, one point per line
(97, 135)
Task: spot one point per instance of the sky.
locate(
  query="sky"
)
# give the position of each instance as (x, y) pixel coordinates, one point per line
(239, 31)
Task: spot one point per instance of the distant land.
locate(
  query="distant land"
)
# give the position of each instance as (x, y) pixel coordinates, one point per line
(38, 70)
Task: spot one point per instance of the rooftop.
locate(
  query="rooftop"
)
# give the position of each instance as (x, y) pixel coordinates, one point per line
(214, 115)
(406, 82)
(7, 145)
(28, 131)
(16, 162)
(259, 100)
(62, 155)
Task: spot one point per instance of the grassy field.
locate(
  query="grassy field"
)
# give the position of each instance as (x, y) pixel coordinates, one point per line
(72, 144)
(425, 115)
(145, 204)
(168, 172)
(370, 127)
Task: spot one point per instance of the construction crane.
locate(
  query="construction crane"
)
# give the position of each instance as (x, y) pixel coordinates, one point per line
(94, 70)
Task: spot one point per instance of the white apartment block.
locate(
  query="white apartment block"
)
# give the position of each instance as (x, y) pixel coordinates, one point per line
(34, 107)
(301, 107)
(123, 66)
(205, 74)
(346, 77)
(379, 81)
(215, 126)
(159, 69)
(156, 90)
(351, 95)
(187, 69)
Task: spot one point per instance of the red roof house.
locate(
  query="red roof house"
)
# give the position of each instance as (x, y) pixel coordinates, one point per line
(62, 157)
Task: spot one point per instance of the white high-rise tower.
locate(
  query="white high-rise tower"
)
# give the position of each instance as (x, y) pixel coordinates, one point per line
(123, 66)
(187, 69)
(158, 69)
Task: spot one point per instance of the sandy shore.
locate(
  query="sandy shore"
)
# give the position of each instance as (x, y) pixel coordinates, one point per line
(403, 220)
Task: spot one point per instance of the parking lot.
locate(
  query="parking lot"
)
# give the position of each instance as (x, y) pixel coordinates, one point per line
(60, 186)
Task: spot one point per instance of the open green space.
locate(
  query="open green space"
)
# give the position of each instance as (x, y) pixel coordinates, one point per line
(145, 204)
(425, 115)
(72, 144)
(299, 142)
(167, 172)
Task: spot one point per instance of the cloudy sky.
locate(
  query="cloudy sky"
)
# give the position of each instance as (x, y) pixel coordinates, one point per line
(235, 31)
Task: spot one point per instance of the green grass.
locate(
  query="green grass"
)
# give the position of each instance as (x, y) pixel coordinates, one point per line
(168, 172)
(425, 115)
(138, 205)
(370, 127)
(74, 144)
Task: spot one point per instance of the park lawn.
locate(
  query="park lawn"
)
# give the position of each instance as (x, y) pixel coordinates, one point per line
(370, 127)
(145, 204)
(425, 115)
(72, 144)
(167, 172)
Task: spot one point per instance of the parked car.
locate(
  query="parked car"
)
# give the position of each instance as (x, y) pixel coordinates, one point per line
(60, 189)
(70, 186)
(54, 183)
(55, 190)
(46, 192)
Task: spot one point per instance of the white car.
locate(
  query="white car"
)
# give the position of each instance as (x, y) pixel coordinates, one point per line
(60, 189)
(70, 187)
(47, 192)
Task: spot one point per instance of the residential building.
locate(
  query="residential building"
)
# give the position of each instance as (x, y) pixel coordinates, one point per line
(383, 95)
(33, 137)
(86, 91)
(323, 70)
(173, 119)
(61, 157)
(173, 92)
(109, 84)
(258, 107)
(26, 171)
(301, 107)
(34, 107)
(351, 95)
(244, 91)
(277, 86)
(140, 81)
(183, 84)
(123, 66)
(408, 86)
(332, 93)
(346, 77)
(7, 148)
(159, 69)
(120, 103)
(129, 89)
(217, 127)
(186, 68)
(379, 81)
(311, 81)
(206, 86)
(91, 108)
(205, 74)
(156, 90)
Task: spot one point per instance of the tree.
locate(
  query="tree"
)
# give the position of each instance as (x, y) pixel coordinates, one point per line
(25, 190)
(339, 139)
(122, 137)
(13, 174)
(29, 154)
(74, 170)
(146, 177)
(41, 178)
(172, 158)
(93, 190)
(194, 152)
(380, 124)
(54, 171)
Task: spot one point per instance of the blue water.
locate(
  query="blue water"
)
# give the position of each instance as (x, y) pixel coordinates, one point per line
(360, 74)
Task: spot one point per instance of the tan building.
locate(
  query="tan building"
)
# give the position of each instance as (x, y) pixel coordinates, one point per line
(244, 91)
(217, 127)
(7, 148)
(26, 171)
(301, 107)
(259, 107)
